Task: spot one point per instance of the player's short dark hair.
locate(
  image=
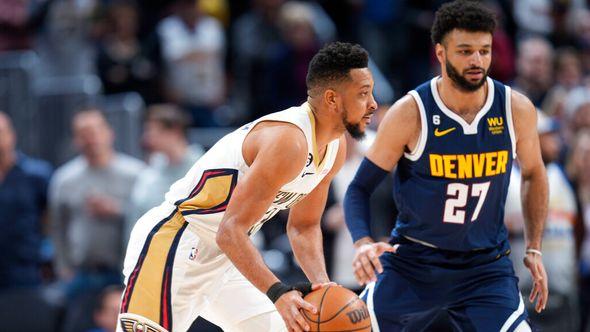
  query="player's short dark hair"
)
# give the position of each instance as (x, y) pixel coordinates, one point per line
(334, 62)
(465, 15)
(169, 116)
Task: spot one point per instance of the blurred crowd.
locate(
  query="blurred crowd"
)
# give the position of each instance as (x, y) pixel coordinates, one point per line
(219, 63)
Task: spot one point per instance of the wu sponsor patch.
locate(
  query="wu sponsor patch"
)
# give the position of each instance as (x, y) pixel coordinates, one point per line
(496, 125)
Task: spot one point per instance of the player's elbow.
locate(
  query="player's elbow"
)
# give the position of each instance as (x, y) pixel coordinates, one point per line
(294, 230)
(536, 173)
(224, 235)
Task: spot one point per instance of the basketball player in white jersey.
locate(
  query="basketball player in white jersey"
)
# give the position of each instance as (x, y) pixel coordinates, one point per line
(192, 256)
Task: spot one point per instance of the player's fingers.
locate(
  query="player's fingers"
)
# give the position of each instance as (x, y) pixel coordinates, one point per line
(540, 298)
(307, 306)
(534, 292)
(359, 273)
(321, 285)
(298, 318)
(532, 268)
(375, 261)
(368, 267)
(545, 288)
(383, 247)
(292, 326)
(541, 271)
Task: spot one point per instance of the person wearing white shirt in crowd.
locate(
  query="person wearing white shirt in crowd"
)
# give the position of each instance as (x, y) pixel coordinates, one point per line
(193, 46)
(558, 239)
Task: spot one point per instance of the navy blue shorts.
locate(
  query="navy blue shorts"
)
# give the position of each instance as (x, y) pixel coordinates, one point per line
(477, 291)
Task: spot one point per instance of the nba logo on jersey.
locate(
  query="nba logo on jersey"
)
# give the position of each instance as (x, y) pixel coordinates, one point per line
(193, 254)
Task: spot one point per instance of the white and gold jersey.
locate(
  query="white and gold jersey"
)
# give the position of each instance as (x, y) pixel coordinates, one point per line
(174, 271)
(203, 194)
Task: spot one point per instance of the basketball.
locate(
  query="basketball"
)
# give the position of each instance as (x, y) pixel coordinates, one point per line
(339, 310)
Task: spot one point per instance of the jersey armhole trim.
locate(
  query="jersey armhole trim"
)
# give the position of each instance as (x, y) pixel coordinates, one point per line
(259, 121)
(509, 119)
(421, 144)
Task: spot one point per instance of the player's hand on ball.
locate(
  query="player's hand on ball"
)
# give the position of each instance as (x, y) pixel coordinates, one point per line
(288, 306)
(366, 261)
(540, 289)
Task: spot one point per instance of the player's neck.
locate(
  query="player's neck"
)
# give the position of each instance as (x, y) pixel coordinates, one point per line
(462, 102)
(325, 131)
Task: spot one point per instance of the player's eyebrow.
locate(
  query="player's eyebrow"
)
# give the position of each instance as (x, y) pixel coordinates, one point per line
(367, 85)
(469, 45)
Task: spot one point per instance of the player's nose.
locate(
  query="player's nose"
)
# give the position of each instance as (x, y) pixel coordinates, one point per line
(373, 103)
(476, 60)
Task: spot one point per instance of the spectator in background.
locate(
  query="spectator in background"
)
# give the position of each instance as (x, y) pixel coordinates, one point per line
(382, 34)
(66, 44)
(193, 46)
(18, 21)
(502, 67)
(87, 198)
(534, 17)
(170, 157)
(568, 68)
(107, 309)
(253, 36)
(559, 248)
(23, 201)
(581, 30)
(416, 66)
(534, 64)
(124, 61)
(581, 117)
(286, 69)
(578, 166)
(568, 76)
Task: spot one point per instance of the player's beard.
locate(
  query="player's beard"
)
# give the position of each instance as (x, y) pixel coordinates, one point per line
(460, 81)
(354, 129)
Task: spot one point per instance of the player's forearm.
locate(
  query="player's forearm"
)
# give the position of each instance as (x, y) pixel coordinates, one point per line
(534, 203)
(308, 250)
(236, 244)
(357, 200)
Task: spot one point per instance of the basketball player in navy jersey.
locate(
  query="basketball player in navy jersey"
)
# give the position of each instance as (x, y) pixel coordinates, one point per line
(454, 140)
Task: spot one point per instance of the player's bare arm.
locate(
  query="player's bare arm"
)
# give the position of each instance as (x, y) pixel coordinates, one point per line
(276, 153)
(534, 192)
(398, 133)
(303, 227)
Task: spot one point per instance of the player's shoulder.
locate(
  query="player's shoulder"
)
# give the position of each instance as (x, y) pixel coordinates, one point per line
(282, 140)
(407, 105)
(522, 107)
(404, 111)
(519, 100)
(283, 134)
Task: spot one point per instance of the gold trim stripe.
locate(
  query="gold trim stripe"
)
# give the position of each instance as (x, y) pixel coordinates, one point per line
(146, 297)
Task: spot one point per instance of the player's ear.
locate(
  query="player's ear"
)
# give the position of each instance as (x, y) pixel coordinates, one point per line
(330, 98)
(440, 52)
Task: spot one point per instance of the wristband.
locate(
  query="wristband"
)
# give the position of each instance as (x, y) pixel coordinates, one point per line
(534, 251)
(278, 289)
(303, 287)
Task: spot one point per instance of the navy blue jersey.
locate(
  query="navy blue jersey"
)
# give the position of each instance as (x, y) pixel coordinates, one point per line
(451, 189)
